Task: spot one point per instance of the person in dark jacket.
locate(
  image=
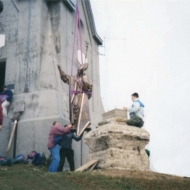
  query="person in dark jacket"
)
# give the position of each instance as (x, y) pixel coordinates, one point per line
(6, 97)
(1, 115)
(66, 150)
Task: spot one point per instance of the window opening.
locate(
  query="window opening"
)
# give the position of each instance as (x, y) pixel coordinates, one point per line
(1, 6)
(2, 74)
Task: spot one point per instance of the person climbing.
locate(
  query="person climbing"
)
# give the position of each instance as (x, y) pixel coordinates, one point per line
(6, 97)
(136, 112)
(1, 115)
(54, 148)
(66, 150)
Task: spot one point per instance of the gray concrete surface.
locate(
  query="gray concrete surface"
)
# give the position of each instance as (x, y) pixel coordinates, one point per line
(39, 35)
(4, 136)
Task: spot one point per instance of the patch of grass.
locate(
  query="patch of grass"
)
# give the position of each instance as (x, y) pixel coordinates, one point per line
(28, 177)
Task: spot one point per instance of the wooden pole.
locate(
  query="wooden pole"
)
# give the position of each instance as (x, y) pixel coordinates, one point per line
(11, 138)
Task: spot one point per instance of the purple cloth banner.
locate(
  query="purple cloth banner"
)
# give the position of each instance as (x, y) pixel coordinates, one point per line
(77, 92)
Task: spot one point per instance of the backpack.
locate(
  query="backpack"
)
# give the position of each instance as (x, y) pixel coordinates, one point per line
(37, 159)
(5, 161)
(34, 158)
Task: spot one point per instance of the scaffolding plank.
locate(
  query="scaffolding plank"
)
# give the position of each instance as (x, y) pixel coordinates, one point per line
(87, 165)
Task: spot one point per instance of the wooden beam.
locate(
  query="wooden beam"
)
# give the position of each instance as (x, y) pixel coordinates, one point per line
(92, 167)
(87, 165)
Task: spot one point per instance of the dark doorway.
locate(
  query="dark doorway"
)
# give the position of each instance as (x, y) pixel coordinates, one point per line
(2, 74)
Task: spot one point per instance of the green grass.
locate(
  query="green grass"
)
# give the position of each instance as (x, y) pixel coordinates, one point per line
(28, 177)
(66, 181)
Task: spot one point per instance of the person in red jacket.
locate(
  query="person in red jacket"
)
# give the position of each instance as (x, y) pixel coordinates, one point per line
(1, 115)
(55, 130)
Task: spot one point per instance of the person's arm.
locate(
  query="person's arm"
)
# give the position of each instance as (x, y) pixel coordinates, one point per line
(62, 130)
(76, 137)
(135, 107)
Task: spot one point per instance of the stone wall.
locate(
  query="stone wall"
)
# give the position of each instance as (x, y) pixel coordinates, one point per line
(39, 35)
(5, 135)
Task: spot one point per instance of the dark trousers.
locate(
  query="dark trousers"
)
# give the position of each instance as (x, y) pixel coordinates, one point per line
(135, 121)
(69, 154)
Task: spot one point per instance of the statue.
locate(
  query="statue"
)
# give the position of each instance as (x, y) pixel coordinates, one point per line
(80, 90)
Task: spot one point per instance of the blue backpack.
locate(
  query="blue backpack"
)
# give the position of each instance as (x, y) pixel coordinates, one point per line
(35, 158)
(5, 161)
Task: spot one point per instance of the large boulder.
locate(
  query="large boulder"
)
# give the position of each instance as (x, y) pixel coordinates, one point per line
(118, 146)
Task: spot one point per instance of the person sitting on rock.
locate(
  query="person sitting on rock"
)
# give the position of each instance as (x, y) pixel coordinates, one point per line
(6, 97)
(136, 112)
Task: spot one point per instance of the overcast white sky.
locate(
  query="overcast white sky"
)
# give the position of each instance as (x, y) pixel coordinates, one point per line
(151, 57)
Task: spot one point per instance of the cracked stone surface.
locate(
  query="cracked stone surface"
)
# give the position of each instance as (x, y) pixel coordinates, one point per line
(118, 146)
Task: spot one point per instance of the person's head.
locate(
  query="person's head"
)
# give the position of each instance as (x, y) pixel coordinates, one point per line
(134, 96)
(56, 123)
(4, 87)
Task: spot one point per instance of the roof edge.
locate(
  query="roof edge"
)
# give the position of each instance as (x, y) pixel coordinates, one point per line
(72, 8)
(69, 4)
(92, 23)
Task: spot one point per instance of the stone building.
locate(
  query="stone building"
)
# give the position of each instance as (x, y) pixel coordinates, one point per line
(39, 35)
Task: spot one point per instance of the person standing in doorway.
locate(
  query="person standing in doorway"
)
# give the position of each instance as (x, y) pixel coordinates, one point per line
(6, 97)
(136, 112)
(66, 150)
(53, 147)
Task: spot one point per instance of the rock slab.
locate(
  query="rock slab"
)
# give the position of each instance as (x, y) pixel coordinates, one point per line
(118, 146)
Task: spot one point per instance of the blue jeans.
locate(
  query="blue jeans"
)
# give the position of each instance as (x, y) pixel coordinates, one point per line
(55, 158)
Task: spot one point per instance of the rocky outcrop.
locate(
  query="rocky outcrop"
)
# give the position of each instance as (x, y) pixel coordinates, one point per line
(118, 146)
